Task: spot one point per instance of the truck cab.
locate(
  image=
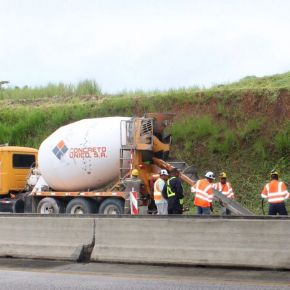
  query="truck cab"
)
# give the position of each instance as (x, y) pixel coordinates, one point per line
(15, 165)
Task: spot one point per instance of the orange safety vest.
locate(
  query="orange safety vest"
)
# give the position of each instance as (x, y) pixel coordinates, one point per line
(225, 189)
(275, 191)
(158, 186)
(203, 193)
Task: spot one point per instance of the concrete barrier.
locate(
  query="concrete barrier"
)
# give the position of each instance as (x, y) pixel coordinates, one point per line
(45, 237)
(262, 243)
(215, 242)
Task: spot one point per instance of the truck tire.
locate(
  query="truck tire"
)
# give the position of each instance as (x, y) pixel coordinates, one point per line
(18, 206)
(80, 205)
(112, 206)
(49, 205)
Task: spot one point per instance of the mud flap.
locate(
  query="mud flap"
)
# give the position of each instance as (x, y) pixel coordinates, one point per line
(28, 204)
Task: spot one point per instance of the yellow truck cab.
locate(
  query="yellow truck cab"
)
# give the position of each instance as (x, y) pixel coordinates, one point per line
(15, 164)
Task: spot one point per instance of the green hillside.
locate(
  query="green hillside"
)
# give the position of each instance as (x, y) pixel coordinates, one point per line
(242, 128)
(278, 81)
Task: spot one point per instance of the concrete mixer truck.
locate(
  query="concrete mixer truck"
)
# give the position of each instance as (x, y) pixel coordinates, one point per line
(85, 167)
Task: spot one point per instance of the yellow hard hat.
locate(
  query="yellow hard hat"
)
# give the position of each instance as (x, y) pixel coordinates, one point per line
(223, 175)
(135, 172)
(274, 172)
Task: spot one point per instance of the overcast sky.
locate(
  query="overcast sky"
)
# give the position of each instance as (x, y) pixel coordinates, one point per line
(149, 44)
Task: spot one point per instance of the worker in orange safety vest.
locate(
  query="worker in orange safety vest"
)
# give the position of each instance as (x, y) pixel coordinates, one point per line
(225, 188)
(160, 201)
(276, 193)
(203, 194)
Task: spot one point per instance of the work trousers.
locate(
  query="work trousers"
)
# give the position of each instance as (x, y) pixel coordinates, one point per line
(277, 208)
(175, 210)
(174, 206)
(162, 207)
(202, 210)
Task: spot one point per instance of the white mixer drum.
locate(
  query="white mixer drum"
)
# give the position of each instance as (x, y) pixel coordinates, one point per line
(82, 156)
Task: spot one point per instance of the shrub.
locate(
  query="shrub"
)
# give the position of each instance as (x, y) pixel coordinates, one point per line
(282, 139)
(87, 87)
(194, 129)
(229, 143)
(259, 148)
(282, 142)
(250, 129)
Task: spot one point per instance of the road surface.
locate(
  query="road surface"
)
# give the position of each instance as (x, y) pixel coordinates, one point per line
(32, 274)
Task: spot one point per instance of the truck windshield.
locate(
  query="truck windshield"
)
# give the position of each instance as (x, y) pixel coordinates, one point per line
(23, 160)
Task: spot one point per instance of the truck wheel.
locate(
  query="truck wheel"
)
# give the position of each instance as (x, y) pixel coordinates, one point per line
(112, 206)
(80, 205)
(49, 205)
(18, 206)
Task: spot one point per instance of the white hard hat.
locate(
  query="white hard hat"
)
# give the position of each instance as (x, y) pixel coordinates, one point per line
(163, 172)
(210, 175)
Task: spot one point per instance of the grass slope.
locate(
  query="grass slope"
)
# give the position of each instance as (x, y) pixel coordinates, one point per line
(242, 128)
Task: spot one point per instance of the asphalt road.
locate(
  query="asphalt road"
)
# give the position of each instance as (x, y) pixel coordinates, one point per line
(31, 274)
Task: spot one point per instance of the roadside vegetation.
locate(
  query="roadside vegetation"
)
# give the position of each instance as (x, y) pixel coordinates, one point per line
(242, 128)
(61, 90)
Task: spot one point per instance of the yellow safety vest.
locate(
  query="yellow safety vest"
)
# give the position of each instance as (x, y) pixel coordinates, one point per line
(170, 193)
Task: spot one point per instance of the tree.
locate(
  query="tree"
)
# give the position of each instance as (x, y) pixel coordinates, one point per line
(3, 83)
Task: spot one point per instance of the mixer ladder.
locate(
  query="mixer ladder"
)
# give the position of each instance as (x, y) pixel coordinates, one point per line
(125, 162)
(126, 139)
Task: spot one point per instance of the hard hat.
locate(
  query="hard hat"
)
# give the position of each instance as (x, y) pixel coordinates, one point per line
(163, 172)
(210, 175)
(223, 175)
(274, 172)
(135, 172)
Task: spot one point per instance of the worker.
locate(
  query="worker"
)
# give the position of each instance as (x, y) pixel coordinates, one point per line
(135, 173)
(226, 189)
(276, 193)
(173, 191)
(204, 194)
(136, 179)
(160, 201)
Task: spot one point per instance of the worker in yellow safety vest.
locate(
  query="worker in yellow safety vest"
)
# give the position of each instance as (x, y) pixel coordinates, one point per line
(160, 201)
(203, 194)
(276, 193)
(225, 188)
(173, 191)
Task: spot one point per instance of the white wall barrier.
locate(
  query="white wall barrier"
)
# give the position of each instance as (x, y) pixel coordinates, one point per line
(262, 243)
(214, 242)
(45, 237)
